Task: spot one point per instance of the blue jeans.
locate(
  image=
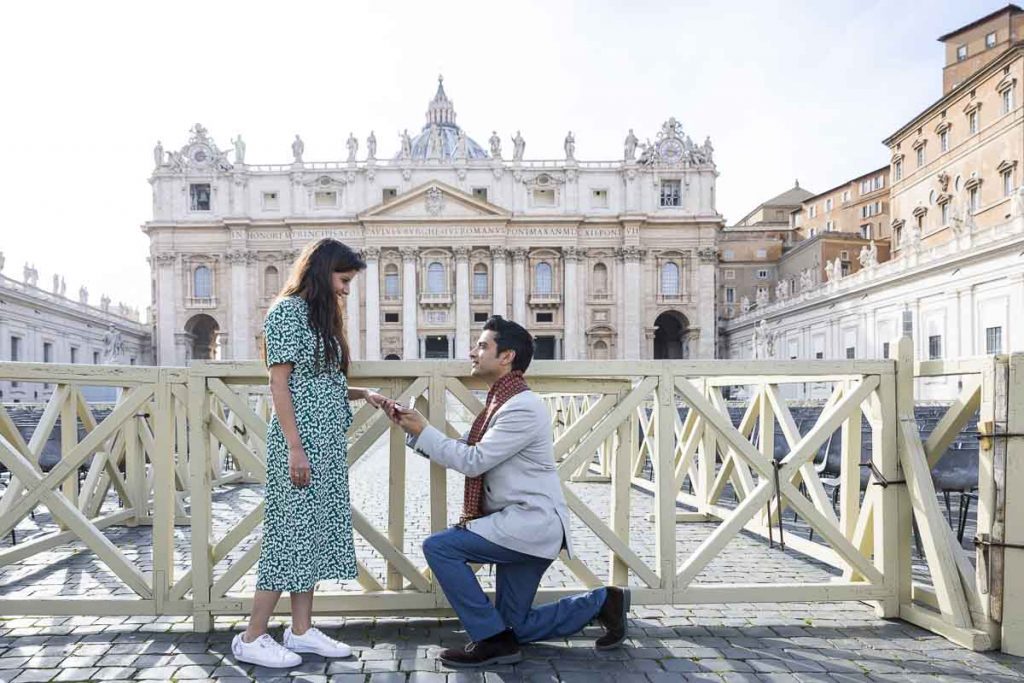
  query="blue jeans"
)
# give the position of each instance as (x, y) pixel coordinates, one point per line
(449, 554)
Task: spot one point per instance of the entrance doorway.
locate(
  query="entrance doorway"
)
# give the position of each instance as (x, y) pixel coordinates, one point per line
(203, 330)
(436, 347)
(670, 336)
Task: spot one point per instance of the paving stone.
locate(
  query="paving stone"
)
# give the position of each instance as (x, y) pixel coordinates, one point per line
(37, 675)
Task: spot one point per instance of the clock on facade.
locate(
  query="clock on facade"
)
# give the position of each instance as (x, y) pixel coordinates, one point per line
(670, 150)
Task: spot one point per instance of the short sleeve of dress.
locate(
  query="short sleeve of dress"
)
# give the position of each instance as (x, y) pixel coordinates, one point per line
(283, 331)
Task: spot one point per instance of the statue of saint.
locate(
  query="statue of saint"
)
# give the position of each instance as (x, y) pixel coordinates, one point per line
(407, 144)
(629, 147)
(56, 283)
(745, 304)
(570, 147)
(435, 148)
(518, 147)
(83, 295)
(371, 146)
(353, 147)
(158, 155)
(460, 146)
(298, 147)
(495, 145)
(239, 149)
(708, 150)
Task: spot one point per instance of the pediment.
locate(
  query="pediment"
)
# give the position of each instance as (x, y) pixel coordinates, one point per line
(435, 200)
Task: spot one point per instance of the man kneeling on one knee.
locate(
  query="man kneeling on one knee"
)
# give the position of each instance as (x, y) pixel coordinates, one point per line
(514, 514)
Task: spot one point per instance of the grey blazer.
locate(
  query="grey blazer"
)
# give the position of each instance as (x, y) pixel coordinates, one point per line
(523, 501)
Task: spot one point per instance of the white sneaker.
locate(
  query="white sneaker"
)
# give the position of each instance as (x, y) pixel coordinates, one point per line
(314, 640)
(264, 651)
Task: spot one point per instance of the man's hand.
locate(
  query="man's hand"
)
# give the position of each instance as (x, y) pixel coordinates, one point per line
(410, 420)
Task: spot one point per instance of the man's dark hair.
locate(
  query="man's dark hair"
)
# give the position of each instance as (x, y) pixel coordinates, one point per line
(510, 336)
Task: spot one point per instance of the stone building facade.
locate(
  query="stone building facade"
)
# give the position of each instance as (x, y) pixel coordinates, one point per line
(38, 325)
(598, 259)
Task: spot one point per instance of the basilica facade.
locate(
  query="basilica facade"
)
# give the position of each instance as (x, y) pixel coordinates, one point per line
(598, 259)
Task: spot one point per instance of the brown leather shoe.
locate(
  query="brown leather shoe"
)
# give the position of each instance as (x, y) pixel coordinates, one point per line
(502, 648)
(614, 616)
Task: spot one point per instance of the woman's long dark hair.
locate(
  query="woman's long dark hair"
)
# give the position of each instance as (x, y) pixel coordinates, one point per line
(310, 278)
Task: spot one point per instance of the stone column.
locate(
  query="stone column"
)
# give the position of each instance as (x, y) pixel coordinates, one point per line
(633, 295)
(461, 303)
(619, 289)
(570, 311)
(165, 306)
(499, 292)
(239, 299)
(410, 306)
(519, 286)
(372, 257)
(352, 320)
(706, 318)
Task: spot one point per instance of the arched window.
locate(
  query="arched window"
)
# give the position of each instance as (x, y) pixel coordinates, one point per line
(542, 278)
(202, 283)
(271, 281)
(600, 279)
(480, 281)
(670, 279)
(392, 286)
(600, 351)
(435, 278)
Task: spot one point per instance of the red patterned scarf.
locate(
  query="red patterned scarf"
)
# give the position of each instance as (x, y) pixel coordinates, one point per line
(501, 391)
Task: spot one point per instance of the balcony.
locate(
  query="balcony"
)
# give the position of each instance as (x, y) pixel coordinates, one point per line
(480, 296)
(201, 302)
(435, 299)
(545, 299)
(674, 298)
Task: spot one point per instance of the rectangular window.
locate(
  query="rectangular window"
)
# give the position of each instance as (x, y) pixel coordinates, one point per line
(392, 286)
(131, 361)
(865, 231)
(944, 141)
(819, 354)
(972, 122)
(199, 196)
(391, 317)
(545, 197)
(830, 226)
(812, 211)
(545, 317)
(973, 199)
(934, 346)
(730, 295)
(95, 357)
(865, 186)
(1007, 100)
(15, 349)
(885, 349)
(844, 255)
(961, 53)
(897, 234)
(828, 204)
(851, 352)
(599, 199)
(47, 352)
(270, 201)
(480, 193)
(1008, 182)
(388, 193)
(730, 274)
(326, 198)
(897, 170)
(944, 213)
(993, 340)
(762, 291)
(844, 268)
(920, 156)
(990, 39)
(480, 284)
(879, 182)
(671, 193)
(814, 231)
(762, 274)
(479, 317)
(74, 354)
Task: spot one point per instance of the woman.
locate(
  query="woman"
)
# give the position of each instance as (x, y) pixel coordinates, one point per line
(307, 528)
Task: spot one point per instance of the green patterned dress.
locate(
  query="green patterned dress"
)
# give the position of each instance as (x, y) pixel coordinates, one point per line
(307, 532)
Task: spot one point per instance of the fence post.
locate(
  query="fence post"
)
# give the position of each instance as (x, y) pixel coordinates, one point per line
(200, 498)
(163, 490)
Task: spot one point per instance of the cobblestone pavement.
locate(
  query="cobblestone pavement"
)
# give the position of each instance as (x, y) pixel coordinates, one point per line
(736, 642)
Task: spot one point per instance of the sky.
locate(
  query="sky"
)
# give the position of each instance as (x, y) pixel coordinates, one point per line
(786, 90)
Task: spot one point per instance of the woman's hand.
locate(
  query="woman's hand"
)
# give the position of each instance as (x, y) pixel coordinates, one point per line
(298, 467)
(376, 400)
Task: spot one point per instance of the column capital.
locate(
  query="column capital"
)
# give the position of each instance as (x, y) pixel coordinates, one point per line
(461, 253)
(165, 259)
(409, 254)
(519, 254)
(499, 253)
(371, 253)
(708, 255)
(631, 254)
(571, 253)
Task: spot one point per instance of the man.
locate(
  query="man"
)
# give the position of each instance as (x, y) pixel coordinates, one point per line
(514, 514)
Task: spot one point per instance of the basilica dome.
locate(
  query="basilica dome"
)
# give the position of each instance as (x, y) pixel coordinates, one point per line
(439, 139)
